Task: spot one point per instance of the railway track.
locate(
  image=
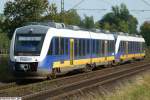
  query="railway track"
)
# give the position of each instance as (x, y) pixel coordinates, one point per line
(7, 85)
(56, 88)
(75, 87)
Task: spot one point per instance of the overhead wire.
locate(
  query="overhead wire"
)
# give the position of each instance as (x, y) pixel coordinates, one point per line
(146, 2)
(76, 5)
(133, 10)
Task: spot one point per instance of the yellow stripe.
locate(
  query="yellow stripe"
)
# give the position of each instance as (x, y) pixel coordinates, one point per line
(82, 62)
(96, 60)
(130, 56)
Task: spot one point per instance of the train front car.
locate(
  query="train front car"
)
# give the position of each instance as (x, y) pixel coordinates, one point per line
(28, 50)
(129, 47)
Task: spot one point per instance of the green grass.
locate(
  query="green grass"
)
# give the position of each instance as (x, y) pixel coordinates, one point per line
(148, 53)
(5, 73)
(135, 91)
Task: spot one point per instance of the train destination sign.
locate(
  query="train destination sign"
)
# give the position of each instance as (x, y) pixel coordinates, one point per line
(24, 38)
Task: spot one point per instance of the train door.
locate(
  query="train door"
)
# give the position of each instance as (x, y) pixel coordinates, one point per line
(126, 50)
(71, 51)
(106, 49)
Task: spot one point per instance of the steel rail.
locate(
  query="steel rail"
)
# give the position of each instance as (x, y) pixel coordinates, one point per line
(75, 86)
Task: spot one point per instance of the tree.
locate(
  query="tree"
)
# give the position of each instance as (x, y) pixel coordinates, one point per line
(119, 20)
(145, 32)
(2, 18)
(71, 17)
(4, 41)
(18, 12)
(52, 13)
(88, 22)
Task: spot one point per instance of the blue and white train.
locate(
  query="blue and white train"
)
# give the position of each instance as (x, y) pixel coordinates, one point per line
(44, 50)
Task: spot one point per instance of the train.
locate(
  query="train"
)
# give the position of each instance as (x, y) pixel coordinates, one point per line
(45, 50)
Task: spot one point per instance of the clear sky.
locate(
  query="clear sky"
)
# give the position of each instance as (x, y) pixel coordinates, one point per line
(102, 4)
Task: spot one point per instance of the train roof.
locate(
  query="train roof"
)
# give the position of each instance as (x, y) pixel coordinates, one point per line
(131, 38)
(35, 29)
(80, 34)
(60, 29)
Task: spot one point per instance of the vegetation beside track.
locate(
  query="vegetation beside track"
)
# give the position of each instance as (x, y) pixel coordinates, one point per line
(5, 74)
(148, 53)
(134, 89)
(140, 90)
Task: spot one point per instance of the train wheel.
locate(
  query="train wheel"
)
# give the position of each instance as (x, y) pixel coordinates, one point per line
(51, 76)
(109, 64)
(88, 68)
(114, 63)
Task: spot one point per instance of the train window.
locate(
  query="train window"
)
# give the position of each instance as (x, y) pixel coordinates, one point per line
(80, 47)
(75, 48)
(88, 46)
(97, 47)
(129, 47)
(51, 47)
(132, 47)
(103, 48)
(93, 47)
(139, 47)
(66, 45)
(135, 45)
(61, 46)
(100, 45)
(100, 48)
(83, 47)
(143, 47)
(111, 46)
(108, 47)
(120, 47)
(56, 43)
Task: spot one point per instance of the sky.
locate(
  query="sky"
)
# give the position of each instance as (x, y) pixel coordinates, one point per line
(102, 4)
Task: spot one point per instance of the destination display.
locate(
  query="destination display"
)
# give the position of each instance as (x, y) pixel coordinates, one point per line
(25, 38)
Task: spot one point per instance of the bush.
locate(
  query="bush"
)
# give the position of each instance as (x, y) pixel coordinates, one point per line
(5, 73)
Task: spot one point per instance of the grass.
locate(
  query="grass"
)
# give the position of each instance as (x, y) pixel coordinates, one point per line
(148, 53)
(140, 90)
(5, 73)
(137, 89)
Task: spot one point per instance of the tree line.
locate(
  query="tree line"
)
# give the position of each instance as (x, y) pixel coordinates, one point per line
(19, 12)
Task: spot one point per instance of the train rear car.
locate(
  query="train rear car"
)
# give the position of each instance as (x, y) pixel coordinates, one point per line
(129, 47)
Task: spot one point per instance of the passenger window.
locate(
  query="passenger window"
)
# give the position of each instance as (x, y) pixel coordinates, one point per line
(61, 46)
(80, 47)
(57, 46)
(51, 47)
(66, 46)
(76, 47)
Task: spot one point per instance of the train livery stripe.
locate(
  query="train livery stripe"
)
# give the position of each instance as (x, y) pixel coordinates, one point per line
(82, 62)
(130, 56)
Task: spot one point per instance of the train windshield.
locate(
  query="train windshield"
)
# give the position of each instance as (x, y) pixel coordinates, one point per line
(28, 45)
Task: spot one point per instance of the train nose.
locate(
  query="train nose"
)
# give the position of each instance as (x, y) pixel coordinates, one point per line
(32, 67)
(25, 67)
